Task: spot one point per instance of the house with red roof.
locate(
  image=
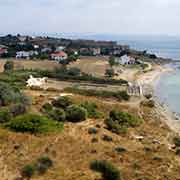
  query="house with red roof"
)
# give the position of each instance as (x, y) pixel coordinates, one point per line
(3, 51)
(59, 56)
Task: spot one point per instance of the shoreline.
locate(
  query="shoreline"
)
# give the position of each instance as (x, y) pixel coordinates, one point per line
(150, 80)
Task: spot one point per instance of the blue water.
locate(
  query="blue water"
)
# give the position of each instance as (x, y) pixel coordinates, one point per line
(168, 89)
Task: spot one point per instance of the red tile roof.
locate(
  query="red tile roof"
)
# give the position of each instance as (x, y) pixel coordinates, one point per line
(2, 50)
(59, 54)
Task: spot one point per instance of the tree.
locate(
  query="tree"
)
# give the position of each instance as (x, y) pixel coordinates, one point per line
(9, 66)
(110, 72)
(108, 170)
(76, 113)
(112, 61)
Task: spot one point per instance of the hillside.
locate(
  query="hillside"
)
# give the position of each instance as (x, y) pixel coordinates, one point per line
(74, 148)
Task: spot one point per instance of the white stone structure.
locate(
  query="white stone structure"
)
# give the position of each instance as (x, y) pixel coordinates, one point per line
(36, 81)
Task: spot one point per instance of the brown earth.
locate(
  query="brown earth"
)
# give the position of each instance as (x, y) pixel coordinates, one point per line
(72, 150)
(92, 65)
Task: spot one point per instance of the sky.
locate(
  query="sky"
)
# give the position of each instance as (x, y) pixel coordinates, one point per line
(90, 16)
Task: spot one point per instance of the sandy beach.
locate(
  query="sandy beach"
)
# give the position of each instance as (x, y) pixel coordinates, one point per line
(162, 110)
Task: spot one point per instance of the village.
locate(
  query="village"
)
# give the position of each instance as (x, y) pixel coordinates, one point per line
(58, 49)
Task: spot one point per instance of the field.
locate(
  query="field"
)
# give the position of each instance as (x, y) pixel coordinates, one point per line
(31, 64)
(92, 65)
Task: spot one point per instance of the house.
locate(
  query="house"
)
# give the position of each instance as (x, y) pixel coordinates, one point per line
(126, 60)
(22, 54)
(96, 51)
(3, 51)
(59, 56)
(33, 53)
(46, 50)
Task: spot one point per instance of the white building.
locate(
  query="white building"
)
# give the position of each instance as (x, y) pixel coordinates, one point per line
(22, 54)
(126, 60)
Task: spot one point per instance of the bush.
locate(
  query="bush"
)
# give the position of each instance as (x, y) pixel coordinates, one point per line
(120, 149)
(28, 171)
(178, 152)
(91, 109)
(18, 109)
(118, 122)
(119, 95)
(43, 164)
(47, 107)
(10, 94)
(57, 114)
(74, 72)
(110, 72)
(109, 172)
(177, 141)
(148, 103)
(107, 138)
(9, 66)
(92, 131)
(76, 113)
(62, 102)
(33, 124)
(5, 115)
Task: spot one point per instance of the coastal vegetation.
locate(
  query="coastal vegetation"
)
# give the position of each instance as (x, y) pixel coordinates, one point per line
(118, 122)
(119, 95)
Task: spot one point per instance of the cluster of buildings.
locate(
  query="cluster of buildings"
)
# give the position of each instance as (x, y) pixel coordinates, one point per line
(27, 47)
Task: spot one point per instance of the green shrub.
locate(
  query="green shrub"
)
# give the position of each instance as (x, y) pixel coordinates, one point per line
(43, 164)
(10, 94)
(18, 109)
(57, 114)
(9, 66)
(62, 102)
(33, 124)
(177, 141)
(178, 152)
(91, 109)
(118, 122)
(92, 131)
(28, 171)
(109, 172)
(119, 95)
(5, 115)
(47, 107)
(76, 113)
(110, 72)
(107, 138)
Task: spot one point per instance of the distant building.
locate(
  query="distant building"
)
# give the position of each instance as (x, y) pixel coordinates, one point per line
(46, 50)
(33, 53)
(59, 56)
(126, 60)
(96, 51)
(26, 54)
(22, 54)
(3, 51)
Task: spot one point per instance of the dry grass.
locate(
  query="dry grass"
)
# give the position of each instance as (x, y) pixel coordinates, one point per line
(72, 150)
(92, 65)
(31, 64)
